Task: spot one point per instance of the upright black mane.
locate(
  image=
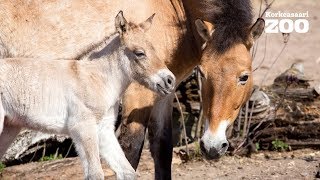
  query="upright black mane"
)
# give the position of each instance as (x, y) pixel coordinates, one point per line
(231, 18)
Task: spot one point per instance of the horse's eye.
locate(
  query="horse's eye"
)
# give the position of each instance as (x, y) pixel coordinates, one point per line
(243, 79)
(139, 53)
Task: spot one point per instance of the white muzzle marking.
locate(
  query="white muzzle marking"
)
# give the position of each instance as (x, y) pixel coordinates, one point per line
(215, 139)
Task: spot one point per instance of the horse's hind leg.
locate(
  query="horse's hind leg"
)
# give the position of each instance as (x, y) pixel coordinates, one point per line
(111, 151)
(7, 136)
(135, 121)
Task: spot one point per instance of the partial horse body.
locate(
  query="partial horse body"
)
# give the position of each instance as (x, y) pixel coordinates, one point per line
(80, 98)
(215, 34)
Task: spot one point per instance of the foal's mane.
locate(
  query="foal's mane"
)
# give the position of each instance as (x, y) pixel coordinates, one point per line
(89, 49)
(232, 20)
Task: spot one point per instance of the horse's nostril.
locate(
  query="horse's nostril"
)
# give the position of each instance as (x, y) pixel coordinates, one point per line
(224, 145)
(169, 80)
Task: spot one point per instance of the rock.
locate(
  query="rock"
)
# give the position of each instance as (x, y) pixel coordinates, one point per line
(317, 89)
(318, 172)
(294, 76)
(292, 163)
(262, 101)
(261, 105)
(29, 142)
(176, 160)
(304, 174)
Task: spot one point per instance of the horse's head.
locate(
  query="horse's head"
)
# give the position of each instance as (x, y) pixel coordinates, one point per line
(227, 79)
(144, 64)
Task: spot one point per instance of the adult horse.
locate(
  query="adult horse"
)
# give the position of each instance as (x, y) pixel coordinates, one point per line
(215, 34)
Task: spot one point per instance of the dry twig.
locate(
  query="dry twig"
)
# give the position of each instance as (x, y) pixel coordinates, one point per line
(183, 124)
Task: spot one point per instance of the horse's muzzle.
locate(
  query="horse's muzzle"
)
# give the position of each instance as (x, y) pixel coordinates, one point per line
(214, 152)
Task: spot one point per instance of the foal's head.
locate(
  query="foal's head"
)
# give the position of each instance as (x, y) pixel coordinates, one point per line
(144, 64)
(227, 72)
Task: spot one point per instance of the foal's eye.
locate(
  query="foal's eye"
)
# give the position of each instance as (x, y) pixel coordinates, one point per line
(243, 79)
(139, 53)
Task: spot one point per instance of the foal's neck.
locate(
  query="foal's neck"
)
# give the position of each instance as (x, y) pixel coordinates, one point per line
(110, 62)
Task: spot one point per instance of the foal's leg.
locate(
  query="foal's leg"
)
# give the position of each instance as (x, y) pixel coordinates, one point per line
(111, 151)
(136, 113)
(85, 136)
(83, 158)
(7, 136)
(2, 115)
(160, 136)
(7, 132)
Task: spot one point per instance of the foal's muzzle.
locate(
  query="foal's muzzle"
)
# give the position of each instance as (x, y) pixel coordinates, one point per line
(166, 83)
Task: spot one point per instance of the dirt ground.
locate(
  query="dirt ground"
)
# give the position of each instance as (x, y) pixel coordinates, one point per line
(301, 164)
(302, 48)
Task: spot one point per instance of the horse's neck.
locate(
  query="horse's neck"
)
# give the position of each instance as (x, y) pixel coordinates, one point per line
(194, 10)
(187, 54)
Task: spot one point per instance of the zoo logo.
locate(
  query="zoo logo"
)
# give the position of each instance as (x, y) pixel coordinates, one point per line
(286, 25)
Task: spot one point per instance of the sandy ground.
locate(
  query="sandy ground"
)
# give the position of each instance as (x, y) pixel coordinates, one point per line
(301, 164)
(303, 48)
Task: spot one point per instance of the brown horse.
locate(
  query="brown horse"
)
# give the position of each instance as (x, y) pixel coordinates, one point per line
(215, 34)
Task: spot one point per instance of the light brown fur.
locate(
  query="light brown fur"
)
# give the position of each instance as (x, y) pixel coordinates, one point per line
(81, 98)
(60, 30)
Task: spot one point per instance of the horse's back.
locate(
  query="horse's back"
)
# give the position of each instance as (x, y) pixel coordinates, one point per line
(53, 29)
(63, 29)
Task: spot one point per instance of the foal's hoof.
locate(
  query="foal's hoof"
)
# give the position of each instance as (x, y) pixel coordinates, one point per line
(95, 177)
(128, 175)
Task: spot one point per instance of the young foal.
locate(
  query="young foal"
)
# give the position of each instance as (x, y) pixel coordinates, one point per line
(80, 98)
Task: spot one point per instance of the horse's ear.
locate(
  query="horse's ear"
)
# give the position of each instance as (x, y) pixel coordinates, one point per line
(147, 23)
(257, 29)
(205, 29)
(121, 23)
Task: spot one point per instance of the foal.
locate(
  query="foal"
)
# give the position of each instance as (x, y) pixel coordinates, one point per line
(80, 98)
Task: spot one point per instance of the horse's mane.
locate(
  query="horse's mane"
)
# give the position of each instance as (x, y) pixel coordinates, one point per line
(232, 20)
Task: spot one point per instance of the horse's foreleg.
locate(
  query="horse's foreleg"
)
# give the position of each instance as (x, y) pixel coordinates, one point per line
(160, 136)
(137, 104)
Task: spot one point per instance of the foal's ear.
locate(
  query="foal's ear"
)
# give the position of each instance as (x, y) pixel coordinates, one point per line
(121, 23)
(257, 29)
(147, 23)
(205, 29)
